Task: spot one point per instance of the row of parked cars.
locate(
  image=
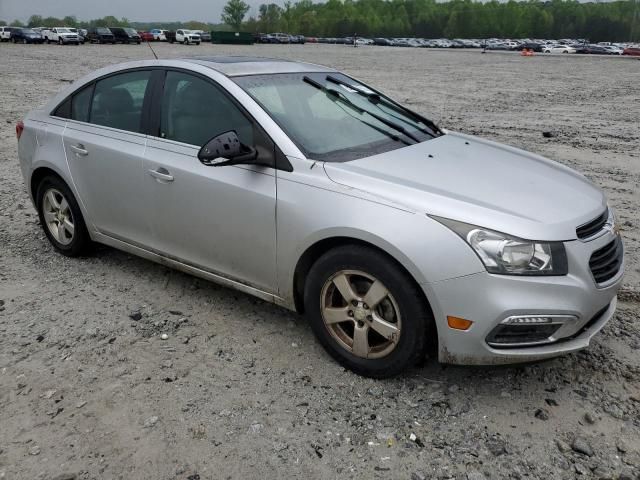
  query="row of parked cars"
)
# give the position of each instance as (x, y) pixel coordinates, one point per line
(102, 35)
(536, 45)
(279, 38)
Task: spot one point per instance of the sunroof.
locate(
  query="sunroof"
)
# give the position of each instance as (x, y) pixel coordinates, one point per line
(237, 59)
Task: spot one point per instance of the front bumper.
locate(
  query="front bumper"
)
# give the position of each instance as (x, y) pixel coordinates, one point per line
(488, 299)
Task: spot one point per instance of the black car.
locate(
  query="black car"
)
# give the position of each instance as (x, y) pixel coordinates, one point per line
(126, 35)
(536, 47)
(593, 49)
(100, 35)
(26, 35)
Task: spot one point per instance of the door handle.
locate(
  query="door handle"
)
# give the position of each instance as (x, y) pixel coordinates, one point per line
(161, 174)
(79, 150)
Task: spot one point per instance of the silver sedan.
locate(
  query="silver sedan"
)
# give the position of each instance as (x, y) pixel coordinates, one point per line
(307, 188)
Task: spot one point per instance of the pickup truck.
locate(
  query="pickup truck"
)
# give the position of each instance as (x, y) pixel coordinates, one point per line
(61, 35)
(184, 36)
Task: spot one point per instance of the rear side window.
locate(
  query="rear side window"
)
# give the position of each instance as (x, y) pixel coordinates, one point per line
(117, 101)
(80, 103)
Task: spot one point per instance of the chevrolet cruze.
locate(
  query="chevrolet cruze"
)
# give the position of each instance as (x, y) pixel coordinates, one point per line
(307, 188)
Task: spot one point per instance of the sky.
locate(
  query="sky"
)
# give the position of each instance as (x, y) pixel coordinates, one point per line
(134, 10)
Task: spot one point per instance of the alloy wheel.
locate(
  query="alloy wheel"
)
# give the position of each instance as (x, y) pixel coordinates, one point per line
(360, 314)
(58, 217)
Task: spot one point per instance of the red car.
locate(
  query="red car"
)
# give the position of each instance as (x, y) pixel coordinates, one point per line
(146, 36)
(635, 51)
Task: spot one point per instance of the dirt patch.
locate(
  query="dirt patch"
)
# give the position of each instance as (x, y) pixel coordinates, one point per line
(239, 388)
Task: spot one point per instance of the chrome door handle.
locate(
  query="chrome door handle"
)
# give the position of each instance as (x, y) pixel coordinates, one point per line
(161, 174)
(79, 150)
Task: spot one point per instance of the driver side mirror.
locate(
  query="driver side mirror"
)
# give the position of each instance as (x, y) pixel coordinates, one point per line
(226, 149)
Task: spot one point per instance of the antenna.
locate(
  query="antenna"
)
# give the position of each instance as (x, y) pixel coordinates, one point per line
(152, 50)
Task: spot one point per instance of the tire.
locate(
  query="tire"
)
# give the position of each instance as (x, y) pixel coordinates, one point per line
(79, 242)
(60, 42)
(390, 354)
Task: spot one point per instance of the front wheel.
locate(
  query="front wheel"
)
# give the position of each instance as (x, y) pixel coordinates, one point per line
(61, 218)
(367, 312)
(60, 42)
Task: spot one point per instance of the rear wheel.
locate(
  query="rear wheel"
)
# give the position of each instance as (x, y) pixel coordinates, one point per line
(367, 312)
(61, 218)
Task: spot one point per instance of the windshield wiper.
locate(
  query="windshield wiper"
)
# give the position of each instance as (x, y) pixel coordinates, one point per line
(338, 96)
(376, 98)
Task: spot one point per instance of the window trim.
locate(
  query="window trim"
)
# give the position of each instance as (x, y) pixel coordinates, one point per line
(144, 121)
(280, 161)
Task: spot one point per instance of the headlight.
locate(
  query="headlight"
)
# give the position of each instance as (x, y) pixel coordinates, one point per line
(507, 255)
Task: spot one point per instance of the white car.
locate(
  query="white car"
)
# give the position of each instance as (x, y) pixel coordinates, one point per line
(558, 49)
(159, 35)
(61, 35)
(614, 49)
(187, 37)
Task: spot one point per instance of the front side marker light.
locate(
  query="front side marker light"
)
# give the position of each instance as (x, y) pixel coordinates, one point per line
(458, 323)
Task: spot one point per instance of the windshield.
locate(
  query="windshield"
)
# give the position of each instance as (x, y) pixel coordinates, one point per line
(28, 31)
(64, 30)
(104, 31)
(130, 31)
(331, 117)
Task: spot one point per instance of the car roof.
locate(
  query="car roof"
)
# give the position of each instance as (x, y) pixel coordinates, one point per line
(237, 65)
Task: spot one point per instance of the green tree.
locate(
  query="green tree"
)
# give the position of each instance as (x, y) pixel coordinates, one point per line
(35, 21)
(17, 23)
(233, 13)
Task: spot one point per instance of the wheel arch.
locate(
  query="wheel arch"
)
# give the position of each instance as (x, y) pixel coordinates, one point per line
(38, 175)
(320, 247)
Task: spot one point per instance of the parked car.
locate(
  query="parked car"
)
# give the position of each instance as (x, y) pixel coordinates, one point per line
(126, 35)
(79, 33)
(558, 49)
(593, 50)
(100, 35)
(205, 37)
(281, 38)
(26, 35)
(61, 35)
(159, 35)
(187, 37)
(614, 50)
(405, 235)
(5, 33)
(633, 51)
(146, 36)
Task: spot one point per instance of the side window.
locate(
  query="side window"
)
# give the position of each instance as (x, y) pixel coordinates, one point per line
(80, 104)
(195, 110)
(117, 100)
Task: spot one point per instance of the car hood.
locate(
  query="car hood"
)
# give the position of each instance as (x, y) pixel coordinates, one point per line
(479, 182)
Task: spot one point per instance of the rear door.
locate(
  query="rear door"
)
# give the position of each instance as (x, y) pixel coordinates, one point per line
(105, 144)
(221, 220)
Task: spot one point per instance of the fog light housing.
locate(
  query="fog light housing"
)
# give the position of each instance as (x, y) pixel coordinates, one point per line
(528, 330)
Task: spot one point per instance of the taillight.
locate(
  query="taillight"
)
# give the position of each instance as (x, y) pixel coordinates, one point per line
(19, 129)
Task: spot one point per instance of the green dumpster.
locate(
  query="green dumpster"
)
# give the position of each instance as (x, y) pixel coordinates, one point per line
(239, 38)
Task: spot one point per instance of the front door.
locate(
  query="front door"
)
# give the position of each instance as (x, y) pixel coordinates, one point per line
(220, 219)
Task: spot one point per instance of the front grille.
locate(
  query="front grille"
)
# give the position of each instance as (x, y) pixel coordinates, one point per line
(594, 226)
(605, 263)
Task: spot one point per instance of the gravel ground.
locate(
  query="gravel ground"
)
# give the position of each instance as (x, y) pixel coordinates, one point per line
(240, 389)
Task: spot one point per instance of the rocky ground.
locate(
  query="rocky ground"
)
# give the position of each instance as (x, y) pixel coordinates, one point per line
(238, 388)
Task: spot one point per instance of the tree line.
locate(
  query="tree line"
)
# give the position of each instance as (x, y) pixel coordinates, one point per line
(612, 21)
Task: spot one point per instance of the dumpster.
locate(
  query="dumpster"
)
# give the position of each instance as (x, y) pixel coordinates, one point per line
(240, 38)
